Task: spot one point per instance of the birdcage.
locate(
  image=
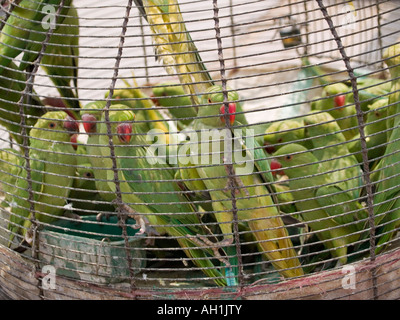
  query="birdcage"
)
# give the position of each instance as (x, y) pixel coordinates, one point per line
(219, 149)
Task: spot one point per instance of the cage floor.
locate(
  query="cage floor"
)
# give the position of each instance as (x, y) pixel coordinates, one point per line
(378, 279)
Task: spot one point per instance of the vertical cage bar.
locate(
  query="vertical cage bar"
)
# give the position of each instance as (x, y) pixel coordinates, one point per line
(122, 216)
(228, 163)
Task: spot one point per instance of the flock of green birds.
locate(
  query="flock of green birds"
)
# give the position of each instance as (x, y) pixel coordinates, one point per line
(304, 202)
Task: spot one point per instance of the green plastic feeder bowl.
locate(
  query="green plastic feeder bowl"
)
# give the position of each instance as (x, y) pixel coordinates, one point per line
(92, 251)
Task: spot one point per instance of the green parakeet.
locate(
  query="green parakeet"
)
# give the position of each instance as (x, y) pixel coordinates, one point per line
(12, 84)
(369, 91)
(374, 86)
(172, 95)
(25, 31)
(11, 165)
(334, 102)
(84, 196)
(61, 57)
(375, 132)
(331, 147)
(386, 199)
(91, 116)
(150, 189)
(307, 175)
(28, 21)
(283, 132)
(52, 163)
(25, 17)
(174, 45)
(128, 96)
(146, 111)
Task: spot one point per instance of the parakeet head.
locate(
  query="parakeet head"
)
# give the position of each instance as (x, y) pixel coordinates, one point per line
(91, 115)
(338, 91)
(281, 132)
(339, 101)
(124, 132)
(122, 123)
(294, 160)
(85, 177)
(276, 167)
(54, 126)
(164, 94)
(378, 110)
(212, 107)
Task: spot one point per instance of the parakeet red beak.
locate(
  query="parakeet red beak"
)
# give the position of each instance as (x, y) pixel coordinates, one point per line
(74, 141)
(89, 122)
(276, 167)
(154, 99)
(339, 101)
(232, 111)
(70, 124)
(269, 148)
(124, 131)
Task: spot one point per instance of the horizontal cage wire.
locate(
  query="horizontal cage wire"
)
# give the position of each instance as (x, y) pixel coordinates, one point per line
(215, 149)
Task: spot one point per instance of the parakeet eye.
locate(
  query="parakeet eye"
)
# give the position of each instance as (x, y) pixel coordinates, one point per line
(209, 100)
(52, 125)
(269, 148)
(288, 157)
(88, 175)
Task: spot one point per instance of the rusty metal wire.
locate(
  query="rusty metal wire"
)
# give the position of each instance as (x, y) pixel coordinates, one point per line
(279, 57)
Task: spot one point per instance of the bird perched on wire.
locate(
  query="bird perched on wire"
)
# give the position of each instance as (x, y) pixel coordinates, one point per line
(52, 164)
(310, 184)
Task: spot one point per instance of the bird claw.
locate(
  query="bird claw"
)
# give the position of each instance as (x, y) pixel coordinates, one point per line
(202, 241)
(76, 217)
(142, 223)
(236, 183)
(100, 215)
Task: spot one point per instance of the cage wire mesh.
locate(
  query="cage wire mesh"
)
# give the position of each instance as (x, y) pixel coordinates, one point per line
(201, 149)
